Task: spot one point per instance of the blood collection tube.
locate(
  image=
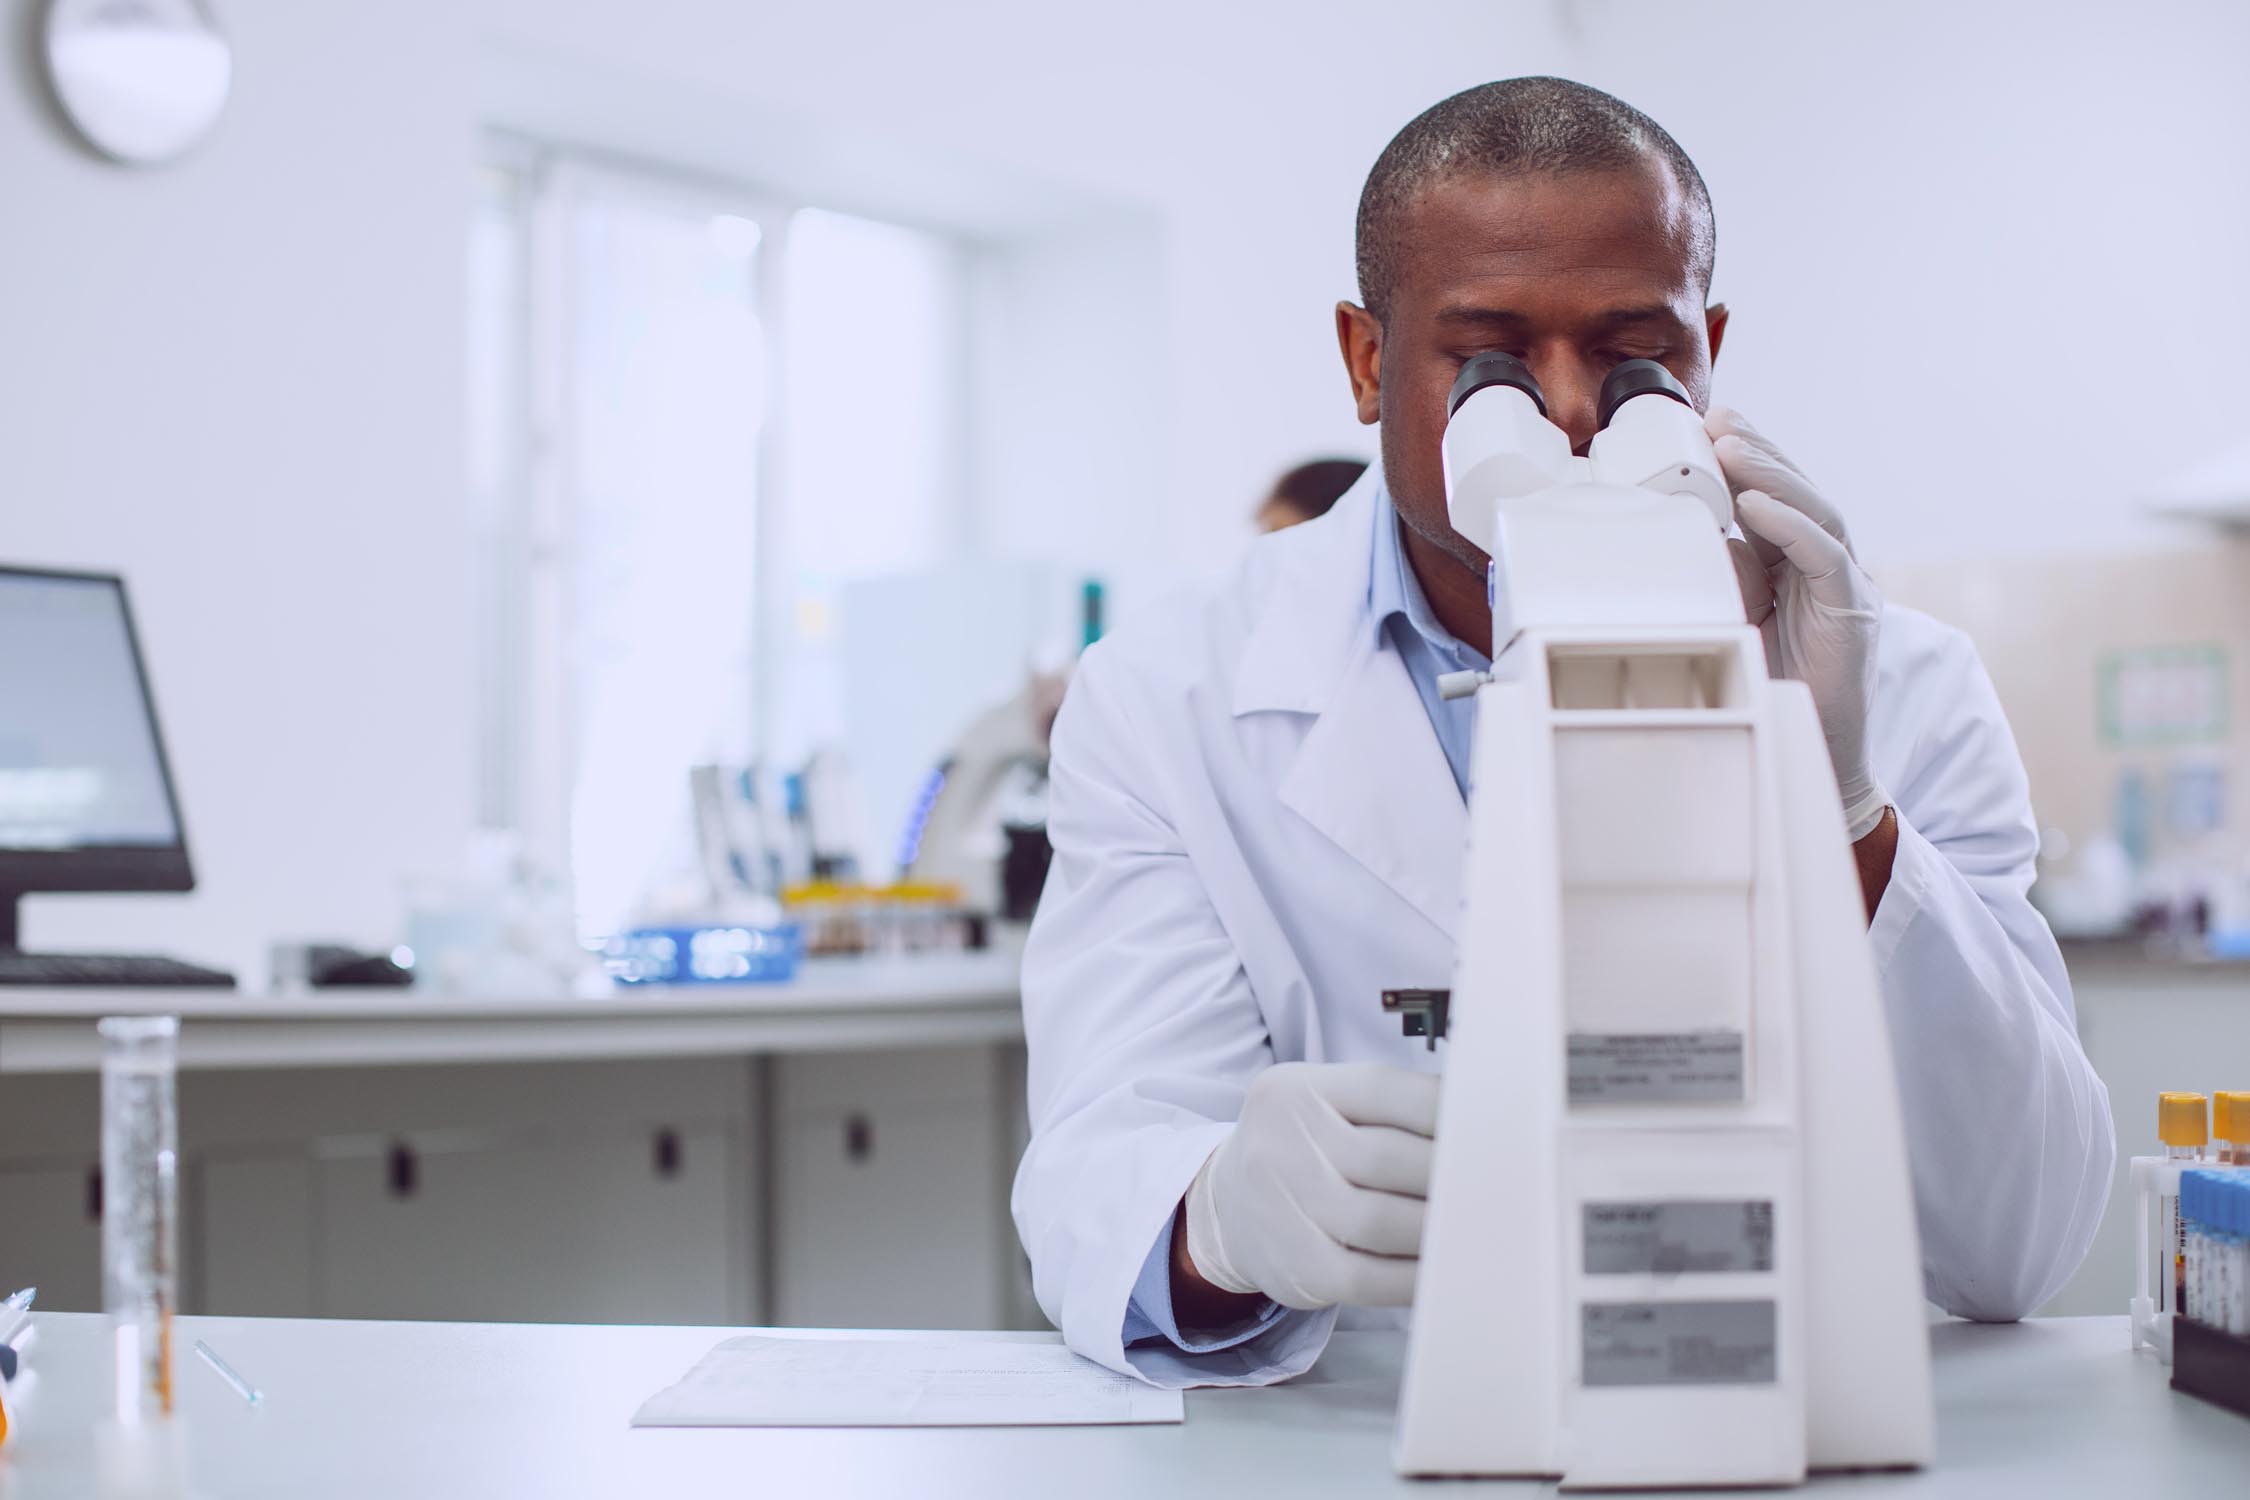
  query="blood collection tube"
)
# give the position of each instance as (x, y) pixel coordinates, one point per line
(2238, 1257)
(2230, 1128)
(2183, 1124)
(2195, 1237)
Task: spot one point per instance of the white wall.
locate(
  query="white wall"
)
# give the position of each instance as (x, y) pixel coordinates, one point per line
(1948, 232)
(1985, 265)
(1073, 444)
(1984, 259)
(238, 381)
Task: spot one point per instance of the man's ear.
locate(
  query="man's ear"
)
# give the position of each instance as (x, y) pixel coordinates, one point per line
(1715, 326)
(1361, 339)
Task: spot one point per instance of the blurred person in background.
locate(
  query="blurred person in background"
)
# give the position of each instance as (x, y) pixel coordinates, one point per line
(1307, 491)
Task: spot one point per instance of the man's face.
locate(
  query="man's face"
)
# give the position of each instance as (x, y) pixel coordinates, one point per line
(1571, 273)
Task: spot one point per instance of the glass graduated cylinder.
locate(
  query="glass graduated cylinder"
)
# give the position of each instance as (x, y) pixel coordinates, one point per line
(140, 1208)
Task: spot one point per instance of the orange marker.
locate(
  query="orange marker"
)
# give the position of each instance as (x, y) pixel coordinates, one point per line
(15, 1322)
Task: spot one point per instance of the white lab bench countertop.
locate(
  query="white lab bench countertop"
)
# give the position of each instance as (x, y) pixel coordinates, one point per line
(842, 1003)
(2056, 1407)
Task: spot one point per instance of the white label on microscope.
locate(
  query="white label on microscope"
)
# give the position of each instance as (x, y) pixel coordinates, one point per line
(1655, 1067)
(1678, 1236)
(1678, 1343)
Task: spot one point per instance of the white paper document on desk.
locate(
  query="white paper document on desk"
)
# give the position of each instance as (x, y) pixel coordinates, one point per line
(761, 1381)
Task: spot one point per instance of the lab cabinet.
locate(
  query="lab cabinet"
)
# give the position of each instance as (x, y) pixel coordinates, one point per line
(50, 1156)
(889, 1192)
(577, 1192)
(617, 1227)
(1023, 1309)
(845, 1188)
(251, 1223)
(568, 1192)
(49, 1237)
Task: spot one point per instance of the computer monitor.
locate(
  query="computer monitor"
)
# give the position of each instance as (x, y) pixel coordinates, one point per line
(86, 800)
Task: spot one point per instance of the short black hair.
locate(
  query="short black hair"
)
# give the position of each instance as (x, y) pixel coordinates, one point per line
(1314, 488)
(1515, 125)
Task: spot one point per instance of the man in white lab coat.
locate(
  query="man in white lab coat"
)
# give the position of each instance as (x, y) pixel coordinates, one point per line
(1258, 812)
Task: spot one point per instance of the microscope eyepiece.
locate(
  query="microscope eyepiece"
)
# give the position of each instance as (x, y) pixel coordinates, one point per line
(1635, 377)
(1495, 369)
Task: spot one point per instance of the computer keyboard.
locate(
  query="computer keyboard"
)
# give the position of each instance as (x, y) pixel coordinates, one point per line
(124, 970)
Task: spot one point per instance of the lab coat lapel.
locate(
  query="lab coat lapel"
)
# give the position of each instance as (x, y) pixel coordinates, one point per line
(1369, 774)
(1373, 778)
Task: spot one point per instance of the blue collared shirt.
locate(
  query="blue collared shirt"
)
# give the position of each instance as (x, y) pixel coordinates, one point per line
(1404, 621)
(1402, 614)
(1148, 1314)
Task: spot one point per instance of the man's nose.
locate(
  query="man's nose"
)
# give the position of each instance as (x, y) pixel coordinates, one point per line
(1573, 399)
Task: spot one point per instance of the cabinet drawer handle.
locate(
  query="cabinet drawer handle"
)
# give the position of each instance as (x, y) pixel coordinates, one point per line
(667, 1153)
(94, 1194)
(859, 1139)
(404, 1170)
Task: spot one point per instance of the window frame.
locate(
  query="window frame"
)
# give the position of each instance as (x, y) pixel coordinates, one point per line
(529, 746)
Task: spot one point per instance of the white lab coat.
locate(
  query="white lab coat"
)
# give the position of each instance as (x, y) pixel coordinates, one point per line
(1256, 833)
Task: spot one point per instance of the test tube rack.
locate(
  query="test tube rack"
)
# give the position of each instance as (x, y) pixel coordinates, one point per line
(2211, 1364)
(2219, 1361)
(2150, 1309)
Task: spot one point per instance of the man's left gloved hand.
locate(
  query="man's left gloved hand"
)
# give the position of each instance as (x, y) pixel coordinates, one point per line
(1808, 595)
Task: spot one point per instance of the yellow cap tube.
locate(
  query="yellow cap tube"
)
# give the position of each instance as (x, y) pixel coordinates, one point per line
(2183, 1119)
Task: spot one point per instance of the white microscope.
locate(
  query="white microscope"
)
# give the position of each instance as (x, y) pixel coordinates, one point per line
(1671, 1235)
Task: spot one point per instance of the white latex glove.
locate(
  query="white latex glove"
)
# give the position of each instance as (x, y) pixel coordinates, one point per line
(1316, 1196)
(1807, 593)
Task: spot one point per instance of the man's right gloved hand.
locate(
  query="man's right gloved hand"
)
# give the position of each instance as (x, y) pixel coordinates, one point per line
(1316, 1197)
